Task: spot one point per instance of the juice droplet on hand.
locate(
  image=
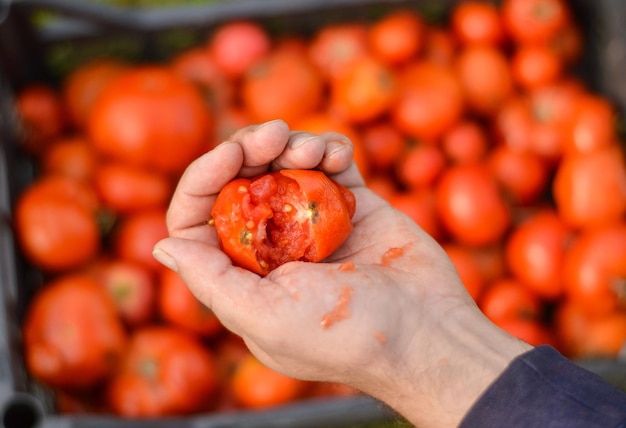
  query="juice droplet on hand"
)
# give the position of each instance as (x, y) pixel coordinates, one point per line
(347, 266)
(390, 254)
(340, 311)
(381, 337)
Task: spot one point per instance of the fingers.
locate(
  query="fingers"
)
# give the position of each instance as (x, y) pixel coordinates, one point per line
(248, 152)
(212, 278)
(193, 198)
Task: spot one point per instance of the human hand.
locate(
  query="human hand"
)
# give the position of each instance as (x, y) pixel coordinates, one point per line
(386, 313)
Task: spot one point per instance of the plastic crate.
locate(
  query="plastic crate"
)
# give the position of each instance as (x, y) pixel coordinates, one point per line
(80, 28)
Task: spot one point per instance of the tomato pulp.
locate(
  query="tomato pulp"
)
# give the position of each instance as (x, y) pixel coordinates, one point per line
(282, 216)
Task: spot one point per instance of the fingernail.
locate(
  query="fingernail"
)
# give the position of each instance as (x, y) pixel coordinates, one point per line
(301, 140)
(165, 259)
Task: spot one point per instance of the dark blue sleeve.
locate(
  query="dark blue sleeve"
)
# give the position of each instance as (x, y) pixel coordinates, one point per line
(542, 388)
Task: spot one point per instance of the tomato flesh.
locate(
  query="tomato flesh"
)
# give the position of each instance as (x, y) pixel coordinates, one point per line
(279, 217)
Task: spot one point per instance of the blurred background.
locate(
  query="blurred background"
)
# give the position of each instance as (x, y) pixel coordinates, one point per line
(497, 126)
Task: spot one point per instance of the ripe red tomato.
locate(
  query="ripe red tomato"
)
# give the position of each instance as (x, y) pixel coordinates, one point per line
(535, 251)
(236, 46)
(534, 21)
(595, 269)
(73, 337)
(430, 100)
(524, 176)
(476, 22)
(364, 90)
(590, 189)
(164, 372)
(151, 117)
(335, 45)
(84, 84)
(485, 74)
(131, 286)
(397, 37)
(283, 216)
(285, 84)
(471, 206)
(257, 386)
(179, 307)
(126, 188)
(72, 156)
(41, 114)
(55, 223)
(136, 235)
(508, 298)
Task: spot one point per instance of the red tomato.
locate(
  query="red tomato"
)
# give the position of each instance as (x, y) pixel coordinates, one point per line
(364, 90)
(84, 84)
(477, 22)
(196, 65)
(420, 165)
(471, 206)
(590, 189)
(284, 85)
(73, 337)
(583, 336)
(523, 175)
(237, 45)
(71, 156)
(136, 235)
(534, 20)
(383, 144)
(126, 188)
(535, 251)
(256, 386)
(397, 37)
(595, 269)
(465, 142)
(131, 286)
(283, 216)
(507, 298)
(592, 125)
(152, 117)
(335, 45)
(485, 74)
(179, 307)
(534, 66)
(430, 100)
(164, 372)
(41, 114)
(55, 223)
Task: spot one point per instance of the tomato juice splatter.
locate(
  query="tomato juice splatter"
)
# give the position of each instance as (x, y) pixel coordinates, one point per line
(340, 311)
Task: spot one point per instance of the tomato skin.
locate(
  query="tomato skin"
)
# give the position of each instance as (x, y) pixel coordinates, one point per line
(125, 188)
(55, 222)
(73, 337)
(165, 371)
(543, 233)
(594, 269)
(256, 386)
(179, 307)
(236, 46)
(590, 189)
(316, 210)
(136, 234)
(152, 117)
(471, 206)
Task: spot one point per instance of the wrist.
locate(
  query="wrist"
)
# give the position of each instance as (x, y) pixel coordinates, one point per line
(447, 373)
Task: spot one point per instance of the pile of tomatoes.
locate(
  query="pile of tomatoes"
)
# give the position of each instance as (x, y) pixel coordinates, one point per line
(475, 127)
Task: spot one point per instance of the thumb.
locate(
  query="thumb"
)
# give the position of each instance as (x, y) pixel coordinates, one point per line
(208, 272)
